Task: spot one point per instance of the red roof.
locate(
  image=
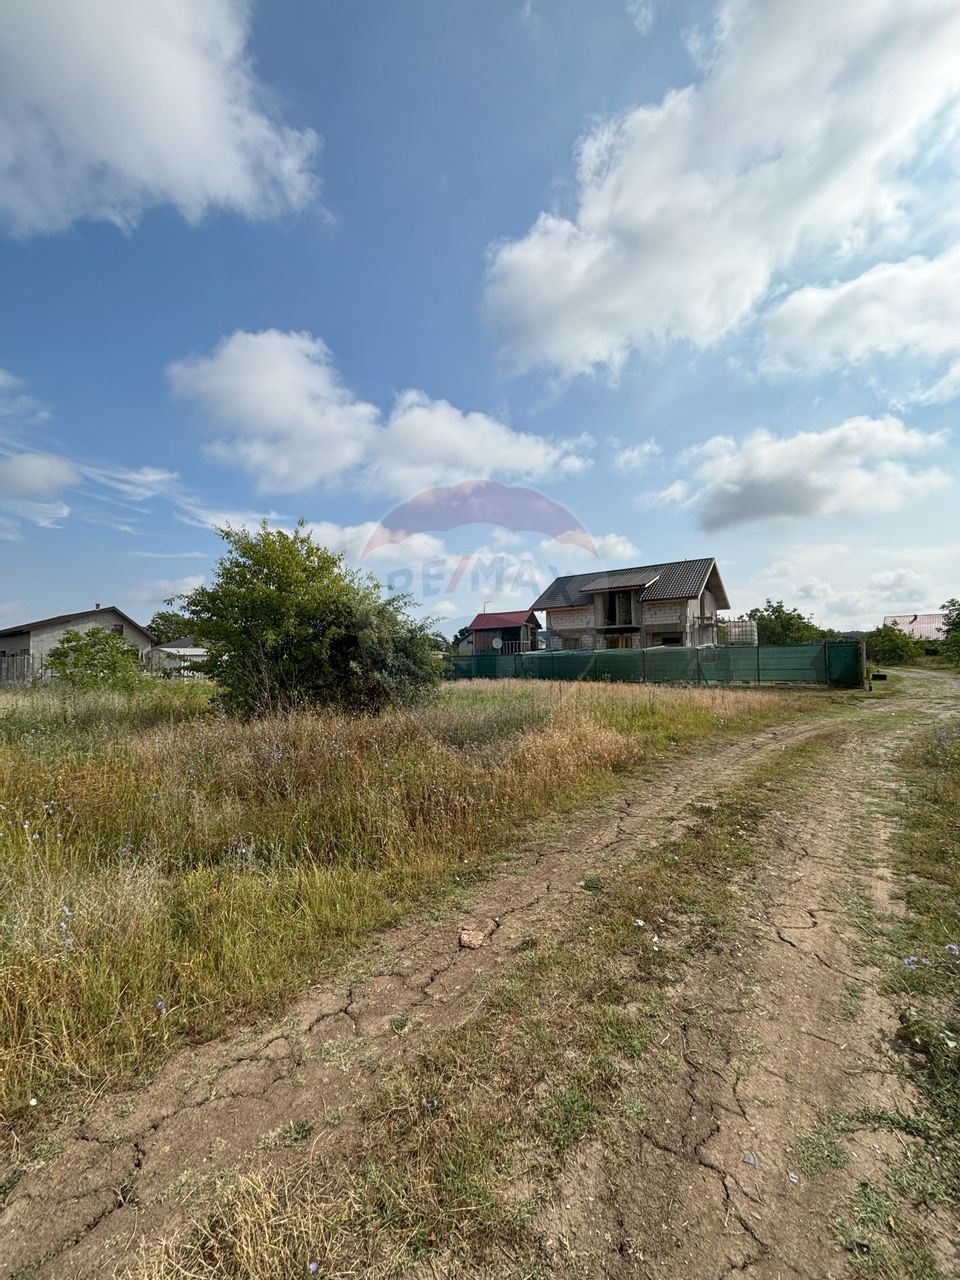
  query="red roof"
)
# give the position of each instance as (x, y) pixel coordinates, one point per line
(922, 626)
(495, 621)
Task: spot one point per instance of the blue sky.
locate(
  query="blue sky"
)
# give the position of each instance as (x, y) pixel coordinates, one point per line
(690, 270)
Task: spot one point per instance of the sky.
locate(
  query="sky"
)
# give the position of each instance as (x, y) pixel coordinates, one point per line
(688, 271)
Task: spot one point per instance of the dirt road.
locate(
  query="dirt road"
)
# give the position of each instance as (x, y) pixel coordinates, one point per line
(760, 1046)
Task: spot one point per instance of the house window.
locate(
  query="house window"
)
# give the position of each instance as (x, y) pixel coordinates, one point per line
(570, 642)
(672, 637)
(117, 629)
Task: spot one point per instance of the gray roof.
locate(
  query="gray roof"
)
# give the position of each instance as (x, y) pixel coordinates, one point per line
(674, 580)
(61, 618)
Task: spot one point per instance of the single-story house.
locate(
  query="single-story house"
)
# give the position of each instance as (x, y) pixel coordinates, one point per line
(674, 603)
(175, 658)
(23, 649)
(511, 632)
(921, 626)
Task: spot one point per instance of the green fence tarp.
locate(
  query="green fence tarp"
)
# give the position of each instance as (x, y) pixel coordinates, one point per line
(833, 662)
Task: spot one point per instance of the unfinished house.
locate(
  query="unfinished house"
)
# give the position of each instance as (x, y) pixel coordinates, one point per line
(654, 604)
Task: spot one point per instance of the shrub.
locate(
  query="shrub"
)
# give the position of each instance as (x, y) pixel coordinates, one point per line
(891, 645)
(285, 625)
(95, 659)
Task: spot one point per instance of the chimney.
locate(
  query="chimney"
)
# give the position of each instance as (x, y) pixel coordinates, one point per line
(97, 605)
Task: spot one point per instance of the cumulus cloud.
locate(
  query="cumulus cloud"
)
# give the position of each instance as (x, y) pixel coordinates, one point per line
(108, 108)
(157, 590)
(31, 489)
(861, 466)
(827, 580)
(293, 423)
(637, 457)
(907, 312)
(793, 149)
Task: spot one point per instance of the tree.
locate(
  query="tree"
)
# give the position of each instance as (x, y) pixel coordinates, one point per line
(285, 624)
(95, 659)
(776, 624)
(167, 625)
(891, 645)
(950, 645)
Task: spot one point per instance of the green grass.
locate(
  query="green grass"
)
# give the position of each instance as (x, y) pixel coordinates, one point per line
(819, 1150)
(882, 1228)
(457, 1151)
(166, 870)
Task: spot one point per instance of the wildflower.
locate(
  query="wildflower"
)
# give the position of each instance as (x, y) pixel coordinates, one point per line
(640, 924)
(953, 949)
(161, 1008)
(62, 925)
(65, 910)
(33, 1102)
(924, 960)
(911, 961)
(313, 1267)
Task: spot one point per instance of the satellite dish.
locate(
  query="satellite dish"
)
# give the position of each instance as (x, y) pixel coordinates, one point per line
(497, 642)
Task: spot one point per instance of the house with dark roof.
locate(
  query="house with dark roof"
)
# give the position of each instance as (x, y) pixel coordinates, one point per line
(674, 603)
(24, 648)
(511, 632)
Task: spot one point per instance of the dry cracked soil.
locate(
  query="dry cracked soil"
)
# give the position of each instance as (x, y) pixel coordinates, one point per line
(755, 1053)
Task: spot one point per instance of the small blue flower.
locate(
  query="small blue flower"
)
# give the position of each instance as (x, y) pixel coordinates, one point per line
(313, 1267)
(65, 910)
(62, 926)
(952, 948)
(161, 1007)
(924, 960)
(911, 961)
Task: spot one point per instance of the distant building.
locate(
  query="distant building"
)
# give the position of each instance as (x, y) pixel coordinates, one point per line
(175, 658)
(24, 648)
(674, 603)
(512, 632)
(921, 626)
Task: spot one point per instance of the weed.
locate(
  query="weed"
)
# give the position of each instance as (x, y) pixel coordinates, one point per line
(819, 1150)
(168, 871)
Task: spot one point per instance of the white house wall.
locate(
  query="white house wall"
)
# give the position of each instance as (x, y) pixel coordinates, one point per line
(43, 639)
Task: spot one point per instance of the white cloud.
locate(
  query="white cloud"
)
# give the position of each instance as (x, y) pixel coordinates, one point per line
(793, 150)
(860, 466)
(294, 424)
(637, 457)
(16, 405)
(827, 580)
(641, 14)
(135, 483)
(171, 555)
(908, 312)
(158, 590)
(31, 488)
(109, 107)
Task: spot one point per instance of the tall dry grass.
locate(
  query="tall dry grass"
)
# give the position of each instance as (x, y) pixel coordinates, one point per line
(165, 869)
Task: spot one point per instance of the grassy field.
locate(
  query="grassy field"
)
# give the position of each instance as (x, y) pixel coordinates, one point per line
(559, 1057)
(166, 870)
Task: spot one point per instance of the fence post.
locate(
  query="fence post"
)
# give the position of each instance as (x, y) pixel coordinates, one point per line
(758, 663)
(826, 660)
(699, 670)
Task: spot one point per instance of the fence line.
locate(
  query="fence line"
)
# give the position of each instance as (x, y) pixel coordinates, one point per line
(17, 669)
(839, 663)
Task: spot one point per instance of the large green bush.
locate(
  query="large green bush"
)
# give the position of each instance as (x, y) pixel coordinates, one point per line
(285, 624)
